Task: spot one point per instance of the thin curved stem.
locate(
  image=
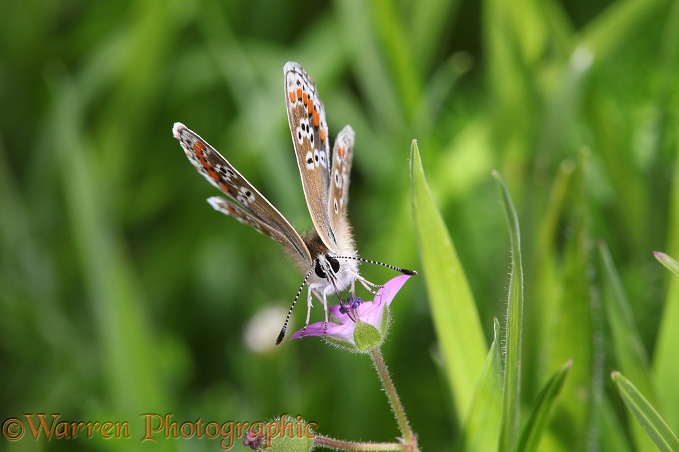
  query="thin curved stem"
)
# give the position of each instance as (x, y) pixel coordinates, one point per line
(409, 438)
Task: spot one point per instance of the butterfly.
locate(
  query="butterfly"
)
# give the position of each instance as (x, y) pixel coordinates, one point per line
(325, 255)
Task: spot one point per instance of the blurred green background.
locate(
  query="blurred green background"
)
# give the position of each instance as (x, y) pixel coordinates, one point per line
(122, 292)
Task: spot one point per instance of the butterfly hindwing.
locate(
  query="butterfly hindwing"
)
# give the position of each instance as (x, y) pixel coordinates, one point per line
(342, 156)
(232, 208)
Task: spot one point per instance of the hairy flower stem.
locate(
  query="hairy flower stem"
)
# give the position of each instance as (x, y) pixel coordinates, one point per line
(409, 438)
(348, 445)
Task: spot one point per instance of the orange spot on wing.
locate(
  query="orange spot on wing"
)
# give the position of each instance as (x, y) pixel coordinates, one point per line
(310, 106)
(199, 149)
(292, 96)
(316, 119)
(225, 188)
(299, 94)
(341, 151)
(322, 134)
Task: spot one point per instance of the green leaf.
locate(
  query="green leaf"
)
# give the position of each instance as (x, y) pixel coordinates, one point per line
(665, 363)
(453, 309)
(530, 436)
(511, 403)
(627, 344)
(543, 286)
(482, 425)
(667, 261)
(647, 416)
(574, 321)
(629, 349)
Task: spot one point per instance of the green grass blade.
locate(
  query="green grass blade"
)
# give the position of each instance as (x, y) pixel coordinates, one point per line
(665, 363)
(647, 416)
(618, 24)
(629, 349)
(530, 436)
(627, 343)
(374, 79)
(429, 19)
(613, 433)
(511, 403)
(541, 270)
(125, 350)
(397, 49)
(453, 309)
(575, 320)
(482, 426)
(667, 261)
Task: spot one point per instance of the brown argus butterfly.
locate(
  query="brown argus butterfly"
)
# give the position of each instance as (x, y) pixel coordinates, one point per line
(326, 255)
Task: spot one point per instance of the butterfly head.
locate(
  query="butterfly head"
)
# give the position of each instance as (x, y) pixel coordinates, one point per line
(331, 271)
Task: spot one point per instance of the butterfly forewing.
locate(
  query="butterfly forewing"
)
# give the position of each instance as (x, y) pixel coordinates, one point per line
(245, 203)
(306, 117)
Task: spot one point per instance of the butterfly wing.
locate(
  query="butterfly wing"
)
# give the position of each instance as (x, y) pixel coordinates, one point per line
(306, 117)
(342, 156)
(229, 207)
(245, 203)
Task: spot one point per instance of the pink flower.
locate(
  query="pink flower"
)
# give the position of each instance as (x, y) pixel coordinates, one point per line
(370, 325)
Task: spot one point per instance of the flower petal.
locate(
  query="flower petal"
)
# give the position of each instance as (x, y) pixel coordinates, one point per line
(315, 329)
(387, 293)
(334, 310)
(371, 312)
(342, 332)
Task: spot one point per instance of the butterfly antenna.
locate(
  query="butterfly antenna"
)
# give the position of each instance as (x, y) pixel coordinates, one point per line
(405, 271)
(281, 335)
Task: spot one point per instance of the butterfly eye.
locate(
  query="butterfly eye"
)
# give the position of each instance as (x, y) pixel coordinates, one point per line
(334, 263)
(319, 271)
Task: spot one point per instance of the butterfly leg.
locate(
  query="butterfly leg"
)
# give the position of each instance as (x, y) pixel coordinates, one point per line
(325, 309)
(309, 305)
(369, 286)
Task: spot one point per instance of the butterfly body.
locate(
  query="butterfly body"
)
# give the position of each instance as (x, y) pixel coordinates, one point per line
(330, 274)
